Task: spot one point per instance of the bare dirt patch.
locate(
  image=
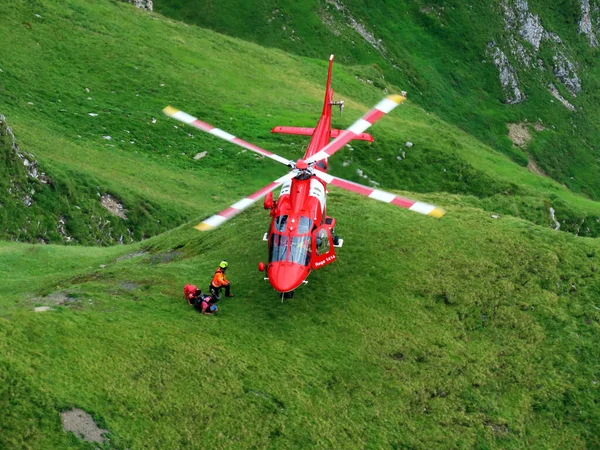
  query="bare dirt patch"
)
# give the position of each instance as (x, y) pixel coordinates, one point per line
(132, 255)
(113, 205)
(165, 257)
(533, 167)
(82, 425)
(129, 285)
(519, 134)
(54, 299)
(60, 298)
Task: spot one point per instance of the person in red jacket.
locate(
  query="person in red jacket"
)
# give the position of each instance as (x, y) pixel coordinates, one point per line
(203, 303)
(219, 281)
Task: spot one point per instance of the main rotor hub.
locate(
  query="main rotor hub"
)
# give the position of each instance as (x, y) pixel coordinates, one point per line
(301, 164)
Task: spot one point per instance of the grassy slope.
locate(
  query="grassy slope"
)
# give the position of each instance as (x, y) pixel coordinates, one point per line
(482, 332)
(479, 332)
(237, 86)
(439, 50)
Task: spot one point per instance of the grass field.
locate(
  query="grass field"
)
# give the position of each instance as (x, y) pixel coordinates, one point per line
(465, 332)
(477, 333)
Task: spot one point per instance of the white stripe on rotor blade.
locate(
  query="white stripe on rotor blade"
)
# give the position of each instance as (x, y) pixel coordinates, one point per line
(222, 134)
(184, 117)
(324, 176)
(386, 105)
(423, 208)
(382, 196)
(288, 176)
(243, 203)
(215, 221)
(359, 126)
(279, 159)
(318, 156)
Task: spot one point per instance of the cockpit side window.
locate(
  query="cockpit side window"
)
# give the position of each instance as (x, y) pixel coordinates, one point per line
(280, 222)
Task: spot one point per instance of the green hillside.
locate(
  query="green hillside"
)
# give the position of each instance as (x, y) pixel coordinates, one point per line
(126, 79)
(477, 333)
(442, 53)
(478, 330)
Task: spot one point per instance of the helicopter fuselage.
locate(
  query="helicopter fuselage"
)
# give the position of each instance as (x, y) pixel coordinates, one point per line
(299, 210)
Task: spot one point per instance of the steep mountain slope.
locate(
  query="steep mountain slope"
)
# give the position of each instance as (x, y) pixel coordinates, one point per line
(126, 76)
(480, 65)
(475, 330)
(68, 206)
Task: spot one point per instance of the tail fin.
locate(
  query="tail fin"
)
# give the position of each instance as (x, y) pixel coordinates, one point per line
(328, 91)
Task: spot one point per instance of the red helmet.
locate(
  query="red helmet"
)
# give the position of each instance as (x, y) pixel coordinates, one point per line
(189, 291)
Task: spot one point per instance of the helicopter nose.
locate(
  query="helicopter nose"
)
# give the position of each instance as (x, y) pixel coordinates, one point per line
(286, 276)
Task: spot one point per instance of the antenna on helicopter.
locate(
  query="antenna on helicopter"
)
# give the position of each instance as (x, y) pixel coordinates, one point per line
(339, 103)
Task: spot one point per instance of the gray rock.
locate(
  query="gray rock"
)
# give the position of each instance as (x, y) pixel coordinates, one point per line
(82, 425)
(564, 70)
(142, 4)
(525, 35)
(528, 25)
(113, 205)
(62, 221)
(559, 97)
(585, 23)
(508, 78)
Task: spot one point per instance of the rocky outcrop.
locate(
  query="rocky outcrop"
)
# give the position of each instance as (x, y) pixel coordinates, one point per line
(520, 50)
(508, 77)
(529, 26)
(559, 97)
(586, 24)
(17, 185)
(113, 205)
(358, 27)
(553, 217)
(26, 194)
(142, 4)
(564, 70)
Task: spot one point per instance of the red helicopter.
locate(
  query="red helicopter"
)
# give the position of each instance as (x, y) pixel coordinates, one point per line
(302, 236)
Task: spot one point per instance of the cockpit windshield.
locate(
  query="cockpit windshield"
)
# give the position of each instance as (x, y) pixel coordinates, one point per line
(278, 247)
(300, 250)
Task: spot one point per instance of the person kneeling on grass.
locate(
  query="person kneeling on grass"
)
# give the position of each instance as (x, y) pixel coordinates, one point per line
(219, 282)
(202, 302)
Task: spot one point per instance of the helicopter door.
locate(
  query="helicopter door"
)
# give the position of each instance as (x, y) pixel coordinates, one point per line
(322, 248)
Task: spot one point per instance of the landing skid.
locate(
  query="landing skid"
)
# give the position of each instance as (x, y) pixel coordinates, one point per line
(286, 295)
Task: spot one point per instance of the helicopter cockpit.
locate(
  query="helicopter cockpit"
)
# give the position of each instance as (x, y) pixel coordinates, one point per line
(291, 240)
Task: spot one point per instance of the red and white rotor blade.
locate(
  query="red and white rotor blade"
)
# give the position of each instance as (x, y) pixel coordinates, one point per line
(412, 205)
(196, 123)
(238, 207)
(358, 127)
